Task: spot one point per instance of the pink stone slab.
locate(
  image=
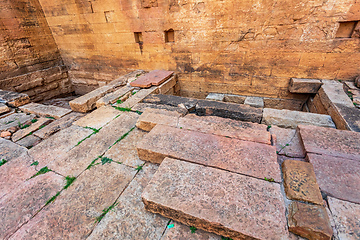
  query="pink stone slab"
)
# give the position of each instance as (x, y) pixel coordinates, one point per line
(154, 78)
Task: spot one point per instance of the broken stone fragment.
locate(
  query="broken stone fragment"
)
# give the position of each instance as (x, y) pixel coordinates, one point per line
(5, 134)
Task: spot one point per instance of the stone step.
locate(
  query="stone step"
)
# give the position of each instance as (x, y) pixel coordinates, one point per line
(151, 117)
(10, 150)
(45, 110)
(153, 78)
(249, 158)
(291, 119)
(32, 128)
(98, 118)
(333, 142)
(110, 98)
(14, 99)
(15, 120)
(218, 201)
(287, 142)
(300, 85)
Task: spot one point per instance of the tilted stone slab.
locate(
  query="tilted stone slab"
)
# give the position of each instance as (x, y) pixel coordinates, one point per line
(151, 117)
(181, 231)
(142, 106)
(300, 182)
(10, 150)
(337, 177)
(291, 119)
(300, 85)
(98, 118)
(138, 97)
(45, 110)
(165, 87)
(15, 120)
(153, 78)
(249, 158)
(228, 204)
(334, 142)
(229, 110)
(226, 127)
(32, 128)
(347, 217)
(129, 219)
(113, 97)
(73, 214)
(170, 100)
(287, 141)
(29, 141)
(4, 108)
(14, 99)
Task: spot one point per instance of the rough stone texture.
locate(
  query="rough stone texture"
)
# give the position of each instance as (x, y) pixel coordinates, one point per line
(151, 117)
(320, 108)
(4, 108)
(290, 104)
(234, 98)
(258, 160)
(347, 217)
(98, 118)
(169, 84)
(58, 125)
(14, 99)
(218, 201)
(229, 110)
(357, 82)
(334, 142)
(75, 210)
(337, 177)
(287, 142)
(5, 134)
(257, 102)
(291, 119)
(79, 158)
(174, 101)
(215, 97)
(351, 85)
(300, 182)
(183, 232)
(14, 120)
(138, 97)
(298, 85)
(58, 144)
(29, 141)
(32, 128)
(25, 201)
(142, 106)
(10, 150)
(129, 219)
(309, 221)
(226, 127)
(45, 110)
(153, 78)
(112, 97)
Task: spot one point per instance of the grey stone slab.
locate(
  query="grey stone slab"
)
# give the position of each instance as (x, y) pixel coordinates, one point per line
(29, 141)
(10, 150)
(14, 99)
(45, 110)
(98, 118)
(112, 97)
(257, 102)
(170, 100)
(183, 232)
(4, 108)
(300, 85)
(21, 133)
(14, 120)
(142, 106)
(215, 97)
(234, 98)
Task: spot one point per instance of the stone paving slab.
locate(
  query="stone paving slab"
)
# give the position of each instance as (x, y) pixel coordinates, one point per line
(153, 78)
(215, 97)
(249, 158)
(58, 145)
(12, 111)
(10, 150)
(300, 182)
(129, 219)
(170, 100)
(337, 143)
(291, 119)
(183, 232)
(138, 97)
(346, 118)
(142, 106)
(58, 125)
(4, 108)
(14, 120)
(14, 99)
(79, 158)
(301, 85)
(234, 98)
(218, 201)
(112, 97)
(287, 142)
(226, 127)
(347, 218)
(26, 200)
(309, 221)
(151, 117)
(125, 150)
(29, 141)
(45, 110)
(337, 177)
(73, 214)
(257, 102)
(32, 128)
(98, 118)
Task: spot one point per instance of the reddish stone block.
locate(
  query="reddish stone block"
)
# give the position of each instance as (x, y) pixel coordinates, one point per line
(154, 78)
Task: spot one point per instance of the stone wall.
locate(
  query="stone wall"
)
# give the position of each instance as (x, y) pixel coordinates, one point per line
(248, 47)
(30, 61)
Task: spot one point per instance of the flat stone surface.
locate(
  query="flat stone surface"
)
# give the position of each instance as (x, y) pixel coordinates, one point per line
(337, 177)
(332, 92)
(112, 97)
(125, 150)
(215, 97)
(257, 102)
(23, 203)
(347, 217)
(249, 158)
(300, 182)
(129, 219)
(347, 118)
(98, 118)
(142, 106)
(29, 141)
(58, 145)
(151, 117)
(21, 133)
(170, 100)
(234, 98)
(218, 201)
(226, 127)
(288, 142)
(337, 143)
(45, 110)
(58, 125)
(300, 85)
(153, 78)
(79, 158)
(165, 87)
(4, 108)
(10, 150)
(309, 221)
(14, 120)
(14, 99)
(73, 213)
(138, 97)
(229, 110)
(279, 103)
(291, 119)
(183, 232)
(351, 85)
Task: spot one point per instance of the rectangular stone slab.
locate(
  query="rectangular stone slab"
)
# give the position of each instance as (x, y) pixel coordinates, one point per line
(98, 118)
(32, 128)
(300, 85)
(45, 110)
(10, 150)
(153, 78)
(333, 142)
(151, 117)
(228, 204)
(170, 100)
(14, 99)
(14, 120)
(249, 158)
(112, 97)
(137, 97)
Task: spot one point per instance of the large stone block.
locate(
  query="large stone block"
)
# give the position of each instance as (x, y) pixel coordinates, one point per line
(112, 97)
(98, 118)
(175, 101)
(153, 78)
(29, 130)
(45, 110)
(14, 99)
(151, 117)
(15, 120)
(298, 85)
(10, 150)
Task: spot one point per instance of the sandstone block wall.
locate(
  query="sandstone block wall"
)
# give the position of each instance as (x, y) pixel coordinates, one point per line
(30, 61)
